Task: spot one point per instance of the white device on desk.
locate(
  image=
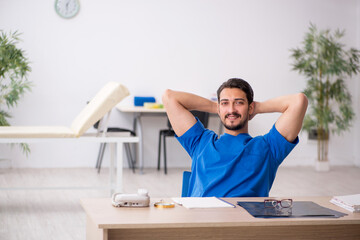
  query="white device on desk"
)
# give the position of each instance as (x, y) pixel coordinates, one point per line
(141, 199)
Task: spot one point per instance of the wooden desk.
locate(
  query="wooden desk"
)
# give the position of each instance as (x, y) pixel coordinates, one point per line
(106, 222)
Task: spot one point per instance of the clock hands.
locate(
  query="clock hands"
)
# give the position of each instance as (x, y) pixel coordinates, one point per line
(67, 5)
(67, 8)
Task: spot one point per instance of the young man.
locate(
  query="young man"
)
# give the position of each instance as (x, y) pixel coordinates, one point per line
(234, 164)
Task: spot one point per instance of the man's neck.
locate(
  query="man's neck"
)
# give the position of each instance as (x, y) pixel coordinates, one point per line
(237, 132)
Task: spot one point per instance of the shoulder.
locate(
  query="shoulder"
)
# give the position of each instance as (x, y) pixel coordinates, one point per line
(275, 135)
(278, 145)
(270, 141)
(197, 131)
(196, 137)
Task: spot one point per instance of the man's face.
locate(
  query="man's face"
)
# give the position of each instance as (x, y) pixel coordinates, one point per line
(233, 108)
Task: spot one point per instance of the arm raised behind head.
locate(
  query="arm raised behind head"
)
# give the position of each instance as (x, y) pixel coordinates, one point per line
(293, 109)
(178, 106)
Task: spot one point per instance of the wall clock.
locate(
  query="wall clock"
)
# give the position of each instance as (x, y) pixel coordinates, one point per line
(67, 8)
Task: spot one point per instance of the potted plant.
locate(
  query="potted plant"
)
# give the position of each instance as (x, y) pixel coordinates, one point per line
(14, 68)
(326, 65)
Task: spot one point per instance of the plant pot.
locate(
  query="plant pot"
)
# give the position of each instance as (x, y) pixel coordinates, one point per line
(322, 166)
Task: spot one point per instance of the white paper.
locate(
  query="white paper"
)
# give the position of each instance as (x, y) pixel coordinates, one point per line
(202, 202)
(348, 202)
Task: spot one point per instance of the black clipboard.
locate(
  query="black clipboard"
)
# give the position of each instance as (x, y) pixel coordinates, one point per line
(299, 209)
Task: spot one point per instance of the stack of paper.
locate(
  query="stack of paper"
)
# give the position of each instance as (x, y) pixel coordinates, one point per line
(348, 202)
(202, 202)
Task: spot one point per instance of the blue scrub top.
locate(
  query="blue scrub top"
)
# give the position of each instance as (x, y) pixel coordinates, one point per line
(233, 166)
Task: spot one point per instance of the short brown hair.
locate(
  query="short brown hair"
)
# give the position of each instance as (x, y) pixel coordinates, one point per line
(240, 84)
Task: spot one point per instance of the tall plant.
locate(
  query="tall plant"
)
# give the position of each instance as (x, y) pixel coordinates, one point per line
(14, 68)
(326, 64)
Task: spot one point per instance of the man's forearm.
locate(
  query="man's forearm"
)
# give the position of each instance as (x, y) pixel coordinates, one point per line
(281, 104)
(178, 106)
(293, 109)
(189, 101)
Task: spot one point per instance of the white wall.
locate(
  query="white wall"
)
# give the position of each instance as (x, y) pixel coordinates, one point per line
(357, 98)
(189, 45)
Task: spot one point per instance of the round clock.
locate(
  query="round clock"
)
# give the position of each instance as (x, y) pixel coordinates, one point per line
(67, 8)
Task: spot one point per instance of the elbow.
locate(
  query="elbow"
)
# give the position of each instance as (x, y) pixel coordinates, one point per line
(302, 101)
(166, 96)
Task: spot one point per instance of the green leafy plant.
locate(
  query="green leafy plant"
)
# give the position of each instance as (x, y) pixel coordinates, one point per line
(14, 68)
(326, 64)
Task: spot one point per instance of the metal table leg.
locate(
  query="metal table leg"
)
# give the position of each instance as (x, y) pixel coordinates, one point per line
(137, 125)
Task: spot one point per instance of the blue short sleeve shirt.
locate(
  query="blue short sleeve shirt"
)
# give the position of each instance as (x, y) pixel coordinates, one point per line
(233, 166)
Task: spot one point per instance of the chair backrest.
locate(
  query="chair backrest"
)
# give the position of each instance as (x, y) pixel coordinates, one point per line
(105, 100)
(185, 184)
(202, 116)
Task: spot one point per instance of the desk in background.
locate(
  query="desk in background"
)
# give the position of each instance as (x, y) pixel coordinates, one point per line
(138, 113)
(107, 222)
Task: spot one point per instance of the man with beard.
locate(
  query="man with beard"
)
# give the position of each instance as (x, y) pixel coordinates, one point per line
(234, 164)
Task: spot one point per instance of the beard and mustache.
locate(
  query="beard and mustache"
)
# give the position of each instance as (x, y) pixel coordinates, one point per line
(235, 127)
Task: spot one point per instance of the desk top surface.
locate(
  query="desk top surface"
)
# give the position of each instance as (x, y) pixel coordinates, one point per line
(134, 109)
(104, 215)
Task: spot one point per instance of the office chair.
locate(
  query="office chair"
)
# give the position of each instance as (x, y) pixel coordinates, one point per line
(169, 132)
(127, 148)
